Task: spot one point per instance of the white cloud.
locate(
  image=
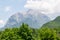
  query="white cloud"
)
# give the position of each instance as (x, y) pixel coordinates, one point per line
(1, 22)
(8, 8)
(45, 6)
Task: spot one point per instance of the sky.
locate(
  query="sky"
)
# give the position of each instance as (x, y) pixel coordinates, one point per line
(8, 8)
(51, 8)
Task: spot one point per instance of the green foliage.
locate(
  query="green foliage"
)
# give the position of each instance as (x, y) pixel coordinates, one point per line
(24, 32)
(48, 34)
(10, 34)
(55, 24)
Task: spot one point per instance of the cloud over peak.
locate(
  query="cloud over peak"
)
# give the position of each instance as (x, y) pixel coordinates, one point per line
(45, 6)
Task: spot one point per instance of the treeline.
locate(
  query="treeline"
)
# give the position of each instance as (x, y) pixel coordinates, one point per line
(24, 32)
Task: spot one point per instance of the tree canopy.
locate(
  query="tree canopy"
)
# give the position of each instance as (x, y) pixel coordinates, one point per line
(24, 32)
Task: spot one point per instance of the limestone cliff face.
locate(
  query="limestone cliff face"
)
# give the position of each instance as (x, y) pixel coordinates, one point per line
(32, 17)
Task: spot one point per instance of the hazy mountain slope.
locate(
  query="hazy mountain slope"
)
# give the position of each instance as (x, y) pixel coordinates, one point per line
(53, 24)
(32, 17)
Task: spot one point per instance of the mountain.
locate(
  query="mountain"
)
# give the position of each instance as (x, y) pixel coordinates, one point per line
(33, 18)
(53, 24)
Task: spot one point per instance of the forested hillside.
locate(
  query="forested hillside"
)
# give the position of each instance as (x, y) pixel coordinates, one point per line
(55, 24)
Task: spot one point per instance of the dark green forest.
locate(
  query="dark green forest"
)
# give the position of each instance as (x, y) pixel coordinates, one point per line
(25, 32)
